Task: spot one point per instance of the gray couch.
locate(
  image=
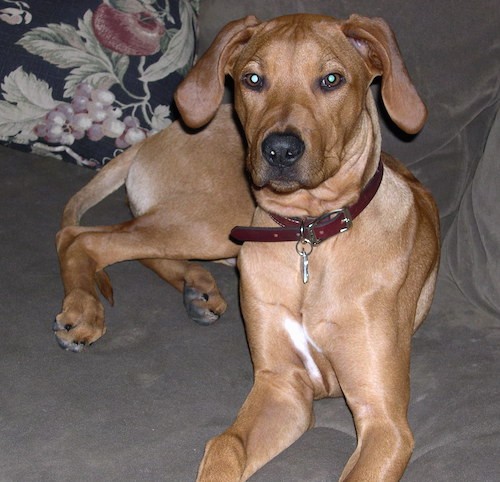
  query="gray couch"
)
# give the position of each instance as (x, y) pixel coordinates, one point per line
(141, 403)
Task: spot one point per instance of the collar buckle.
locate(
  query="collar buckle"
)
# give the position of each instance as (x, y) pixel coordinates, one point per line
(347, 219)
(308, 231)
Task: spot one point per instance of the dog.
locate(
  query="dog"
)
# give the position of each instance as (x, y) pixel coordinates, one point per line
(186, 190)
(339, 264)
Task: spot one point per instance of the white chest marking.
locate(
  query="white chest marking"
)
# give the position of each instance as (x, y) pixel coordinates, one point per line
(301, 342)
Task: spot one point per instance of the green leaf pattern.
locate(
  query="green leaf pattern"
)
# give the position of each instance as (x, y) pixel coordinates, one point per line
(178, 52)
(27, 100)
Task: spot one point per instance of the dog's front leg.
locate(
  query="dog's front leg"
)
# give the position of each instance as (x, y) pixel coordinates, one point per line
(276, 413)
(371, 359)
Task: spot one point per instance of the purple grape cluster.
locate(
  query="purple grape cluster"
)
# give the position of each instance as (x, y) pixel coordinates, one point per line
(91, 113)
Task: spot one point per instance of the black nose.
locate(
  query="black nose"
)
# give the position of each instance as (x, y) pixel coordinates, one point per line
(282, 149)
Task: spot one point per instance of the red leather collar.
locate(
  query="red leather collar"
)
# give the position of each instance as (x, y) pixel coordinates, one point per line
(311, 230)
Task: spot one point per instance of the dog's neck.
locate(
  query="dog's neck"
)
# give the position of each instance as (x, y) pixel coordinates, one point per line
(359, 161)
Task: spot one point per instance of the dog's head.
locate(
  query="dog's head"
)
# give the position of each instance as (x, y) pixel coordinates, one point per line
(301, 89)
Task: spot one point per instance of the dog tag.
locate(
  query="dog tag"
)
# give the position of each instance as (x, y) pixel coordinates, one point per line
(304, 249)
(305, 266)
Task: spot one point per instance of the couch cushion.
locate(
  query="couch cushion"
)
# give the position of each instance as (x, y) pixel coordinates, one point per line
(472, 248)
(82, 79)
(141, 403)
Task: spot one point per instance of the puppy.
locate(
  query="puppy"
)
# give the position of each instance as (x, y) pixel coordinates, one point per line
(339, 263)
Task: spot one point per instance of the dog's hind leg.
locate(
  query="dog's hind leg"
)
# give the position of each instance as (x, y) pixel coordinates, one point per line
(202, 298)
(85, 251)
(81, 321)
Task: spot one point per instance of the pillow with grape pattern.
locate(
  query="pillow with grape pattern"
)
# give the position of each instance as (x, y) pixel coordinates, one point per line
(83, 80)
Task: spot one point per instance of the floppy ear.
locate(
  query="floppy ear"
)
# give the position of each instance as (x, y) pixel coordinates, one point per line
(376, 43)
(198, 96)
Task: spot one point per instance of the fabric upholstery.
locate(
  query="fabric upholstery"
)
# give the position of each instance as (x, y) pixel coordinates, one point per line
(472, 247)
(141, 403)
(83, 79)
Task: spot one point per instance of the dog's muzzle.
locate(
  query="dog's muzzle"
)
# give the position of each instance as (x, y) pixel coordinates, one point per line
(282, 150)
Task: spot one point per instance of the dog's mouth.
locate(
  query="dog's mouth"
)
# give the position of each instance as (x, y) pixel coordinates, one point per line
(280, 180)
(284, 180)
(284, 187)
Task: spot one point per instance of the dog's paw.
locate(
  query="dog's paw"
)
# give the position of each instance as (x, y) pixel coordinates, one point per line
(81, 321)
(203, 306)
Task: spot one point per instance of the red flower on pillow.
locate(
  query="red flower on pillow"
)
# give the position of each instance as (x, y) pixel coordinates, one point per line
(128, 33)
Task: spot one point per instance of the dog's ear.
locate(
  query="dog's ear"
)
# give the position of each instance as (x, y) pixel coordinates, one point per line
(200, 93)
(376, 43)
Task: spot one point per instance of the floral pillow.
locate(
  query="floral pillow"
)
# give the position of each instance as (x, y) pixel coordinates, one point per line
(84, 80)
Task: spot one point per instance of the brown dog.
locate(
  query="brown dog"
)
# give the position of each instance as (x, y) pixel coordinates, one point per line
(180, 185)
(341, 266)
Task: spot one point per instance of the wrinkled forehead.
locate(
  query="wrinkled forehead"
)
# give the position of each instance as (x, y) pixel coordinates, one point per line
(297, 40)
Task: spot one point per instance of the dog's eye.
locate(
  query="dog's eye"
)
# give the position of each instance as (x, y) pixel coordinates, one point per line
(253, 81)
(330, 81)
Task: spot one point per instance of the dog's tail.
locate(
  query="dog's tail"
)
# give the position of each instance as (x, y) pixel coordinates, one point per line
(109, 179)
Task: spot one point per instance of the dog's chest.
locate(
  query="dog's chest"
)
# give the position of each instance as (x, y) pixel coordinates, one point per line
(303, 345)
(301, 313)
(310, 350)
